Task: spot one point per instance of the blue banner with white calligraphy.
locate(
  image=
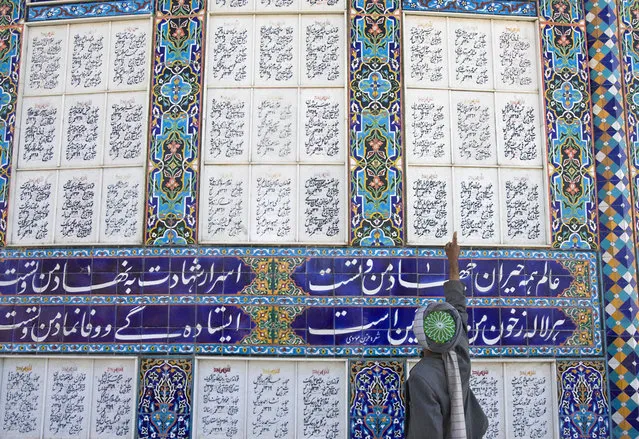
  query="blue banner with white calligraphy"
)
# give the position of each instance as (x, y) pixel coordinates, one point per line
(300, 301)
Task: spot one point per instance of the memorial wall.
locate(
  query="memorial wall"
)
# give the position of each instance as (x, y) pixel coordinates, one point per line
(217, 219)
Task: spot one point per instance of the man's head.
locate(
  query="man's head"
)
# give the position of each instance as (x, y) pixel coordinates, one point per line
(437, 326)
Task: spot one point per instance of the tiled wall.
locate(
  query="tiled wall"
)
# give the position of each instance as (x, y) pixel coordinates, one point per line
(285, 301)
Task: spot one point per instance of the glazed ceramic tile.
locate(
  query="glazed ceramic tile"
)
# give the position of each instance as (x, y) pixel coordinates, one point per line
(228, 126)
(322, 125)
(270, 6)
(122, 217)
(274, 132)
(473, 123)
(113, 399)
(126, 129)
(470, 53)
(33, 207)
(46, 60)
(221, 398)
(426, 48)
(322, 204)
(83, 130)
(276, 51)
(225, 204)
(273, 203)
(40, 132)
(22, 397)
(322, 54)
(522, 206)
(87, 58)
(428, 127)
(77, 206)
(68, 398)
(476, 205)
(230, 6)
(429, 205)
(487, 382)
(516, 55)
(323, 5)
(518, 129)
(130, 55)
(230, 54)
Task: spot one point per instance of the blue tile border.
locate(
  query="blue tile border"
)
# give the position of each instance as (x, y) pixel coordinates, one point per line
(516, 8)
(113, 8)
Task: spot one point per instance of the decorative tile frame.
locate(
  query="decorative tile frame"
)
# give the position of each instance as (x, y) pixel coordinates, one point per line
(376, 170)
(617, 235)
(175, 125)
(89, 9)
(520, 8)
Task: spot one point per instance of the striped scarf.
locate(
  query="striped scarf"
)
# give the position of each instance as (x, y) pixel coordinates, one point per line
(438, 328)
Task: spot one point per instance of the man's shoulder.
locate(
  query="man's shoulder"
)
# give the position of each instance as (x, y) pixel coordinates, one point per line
(429, 367)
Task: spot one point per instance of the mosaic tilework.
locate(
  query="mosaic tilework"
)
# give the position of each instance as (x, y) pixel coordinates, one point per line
(180, 7)
(571, 164)
(561, 11)
(176, 93)
(165, 399)
(10, 46)
(523, 302)
(376, 217)
(89, 9)
(492, 7)
(377, 401)
(619, 279)
(11, 12)
(583, 400)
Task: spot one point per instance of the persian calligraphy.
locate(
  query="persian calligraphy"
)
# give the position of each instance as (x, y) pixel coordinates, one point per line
(320, 402)
(129, 55)
(516, 66)
(522, 192)
(323, 50)
(126, 128)
(477, 206)
(271, 408)
(529, 399)
(273, 205)
(323, 121)
(40, 135)
(487, 382)
(113, 399)
(228, 126)
(222, 409)
(88, 57)
(277, 51)
(474, 128)
(227, 199)
(275, 126)
(322, 203)
(427, 51)
(68, 391)
(472, 53)
(77, 208)
(46, 61)
(518, 129)
(428, 128)
(122, 205)
(21, 399)
(429, 205)
(82, 126)
(34, 204)
(230, 50)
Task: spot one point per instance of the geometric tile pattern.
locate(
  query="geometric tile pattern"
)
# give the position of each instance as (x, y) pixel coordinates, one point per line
(165, 398)
(377, 401)
(522, 8)
(619, 275)
(583, 401)
(89, 9)
(573, 201)
(376, 212)
(176, 94)
(10, 47)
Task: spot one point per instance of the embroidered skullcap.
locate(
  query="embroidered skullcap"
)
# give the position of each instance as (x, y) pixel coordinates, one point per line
(437, 326)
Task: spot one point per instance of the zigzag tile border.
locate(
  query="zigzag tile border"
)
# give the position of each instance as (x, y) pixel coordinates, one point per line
(617, 237)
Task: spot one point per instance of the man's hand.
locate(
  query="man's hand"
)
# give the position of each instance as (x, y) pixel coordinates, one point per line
(452, 252)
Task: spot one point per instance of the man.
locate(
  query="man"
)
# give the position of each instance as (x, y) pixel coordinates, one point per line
(440, 404)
